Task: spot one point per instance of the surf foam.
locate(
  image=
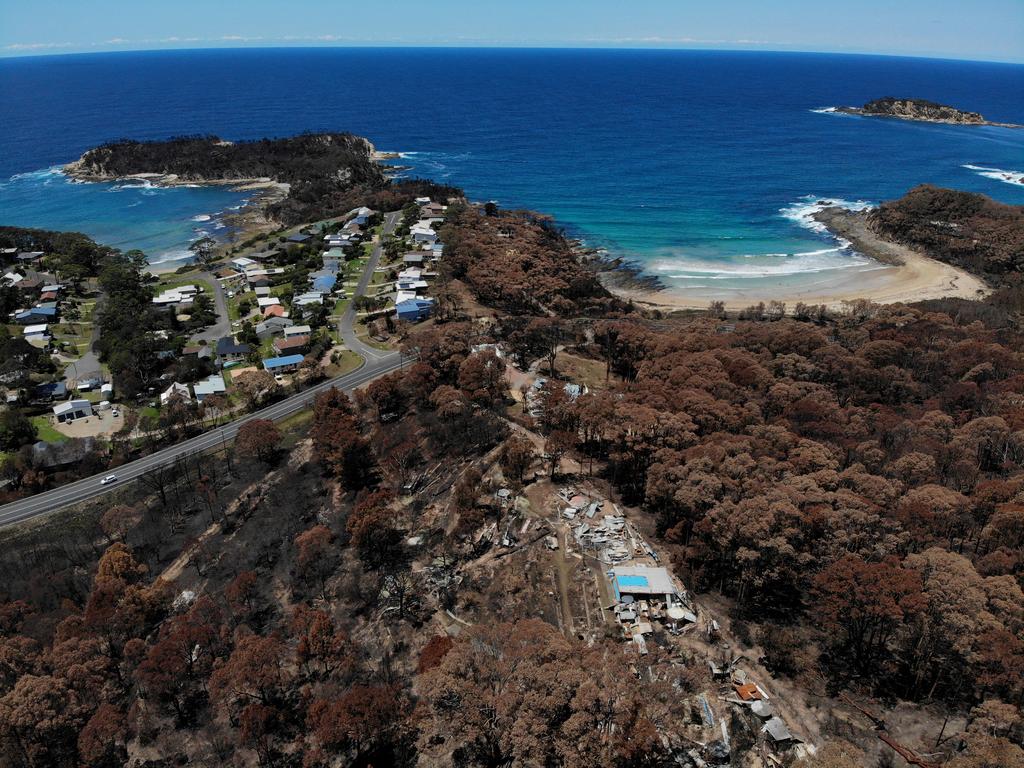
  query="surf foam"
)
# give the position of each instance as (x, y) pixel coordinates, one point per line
(1007, 177)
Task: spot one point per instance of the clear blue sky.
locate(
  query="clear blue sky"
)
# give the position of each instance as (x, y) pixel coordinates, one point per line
(968, 29)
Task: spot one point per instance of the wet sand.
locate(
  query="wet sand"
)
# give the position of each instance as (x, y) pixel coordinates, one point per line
(903, 275)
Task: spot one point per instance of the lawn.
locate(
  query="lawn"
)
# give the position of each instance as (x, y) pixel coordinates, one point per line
(166, 284)
(45, 430)
(348, 361)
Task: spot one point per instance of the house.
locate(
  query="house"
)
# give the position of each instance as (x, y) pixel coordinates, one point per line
(48, 296)
(52, 288)
(413, 259)
(107, 391)
(54, 390)
(432, 211)
(300, 237)
(88, 384)
(285, 364)
(30, 257)
(408, 284)
(229, 350)
(244, 264)
(71, 410)
(200, 351)
(291, 345)
(36, 315)
(30, 283)
(423, 233)
(181, 296)
(175, 391)
(308, 298)
(273, 310)
(273, 326)
(267, 301)
(324, 283)
(226, 275)
(414, 309)
(36, 330)
(212, 385)
(297, 330)
(13, 278)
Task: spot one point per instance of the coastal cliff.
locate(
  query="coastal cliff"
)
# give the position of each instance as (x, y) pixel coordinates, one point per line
(307, 177)
(920, 110)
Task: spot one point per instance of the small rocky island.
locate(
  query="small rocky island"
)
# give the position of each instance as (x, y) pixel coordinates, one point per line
(920, 110)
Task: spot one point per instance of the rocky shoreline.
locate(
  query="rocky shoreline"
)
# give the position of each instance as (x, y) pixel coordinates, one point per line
(614, 272)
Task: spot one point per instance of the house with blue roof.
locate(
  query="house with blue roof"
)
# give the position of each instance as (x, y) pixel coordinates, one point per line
(324, 283)
(36, 315)
(413, 310)
(284, 364)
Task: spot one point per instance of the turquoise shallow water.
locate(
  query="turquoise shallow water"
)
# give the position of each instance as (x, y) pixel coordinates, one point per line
(701, 166)
(161, 221)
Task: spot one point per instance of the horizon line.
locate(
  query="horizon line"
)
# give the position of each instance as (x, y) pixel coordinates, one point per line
(52, 50)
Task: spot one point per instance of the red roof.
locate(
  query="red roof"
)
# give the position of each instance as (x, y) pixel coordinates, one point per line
(748, 692)
(295, 342)
(47, 296)
(274, 310)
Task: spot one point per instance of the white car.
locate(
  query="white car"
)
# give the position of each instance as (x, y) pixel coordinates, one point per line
(115, 413)
(108, 480)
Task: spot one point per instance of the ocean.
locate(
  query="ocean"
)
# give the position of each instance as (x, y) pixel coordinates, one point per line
(700, 166)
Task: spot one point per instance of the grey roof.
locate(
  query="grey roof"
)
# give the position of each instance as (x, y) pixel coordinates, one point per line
(228, 346)
(777, 730)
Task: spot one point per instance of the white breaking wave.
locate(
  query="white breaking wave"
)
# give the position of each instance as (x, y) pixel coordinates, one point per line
(824, 110)
(169, 256)
(802, 212)
(202, 217)
(1008, 177)
(788, 264)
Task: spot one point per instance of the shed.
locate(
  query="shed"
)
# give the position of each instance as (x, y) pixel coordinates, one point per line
(71, 410)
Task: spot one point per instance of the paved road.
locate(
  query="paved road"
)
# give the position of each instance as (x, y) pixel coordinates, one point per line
(222, 325)
(377, 363)
(346, 327)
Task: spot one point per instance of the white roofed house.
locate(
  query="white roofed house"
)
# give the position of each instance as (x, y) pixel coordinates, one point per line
(244, 264)
(308, 298)
(180, 296)
(423, 233)
(38, 335)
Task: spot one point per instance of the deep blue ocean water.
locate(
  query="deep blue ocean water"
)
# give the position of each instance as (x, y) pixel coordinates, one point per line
(700, 165)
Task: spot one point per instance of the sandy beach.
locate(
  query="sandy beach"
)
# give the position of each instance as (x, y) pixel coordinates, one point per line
(903, 276)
